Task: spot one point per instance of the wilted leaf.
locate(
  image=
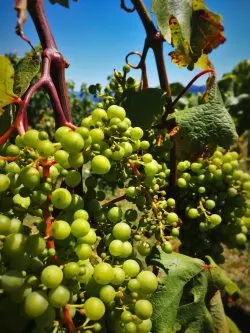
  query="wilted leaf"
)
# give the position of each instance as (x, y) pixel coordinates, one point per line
(21, 8)
(7, 95)
(144, 106)
(205, 125)
(25, 71)
(218, 314)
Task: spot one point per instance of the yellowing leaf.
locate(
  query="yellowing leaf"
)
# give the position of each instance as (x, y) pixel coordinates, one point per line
(6, 82)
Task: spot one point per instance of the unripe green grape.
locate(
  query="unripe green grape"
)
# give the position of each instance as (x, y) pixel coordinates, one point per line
(232, 192)
(76, 160)
(62, 157)
(193, 213)
(130, 327)
(116, 111)
(196, 167)
(62, 132)
(99, 115)
(103, 273)
(89, 269)
(144, 145)
(97, 135)
(4, 183)
(171, 202)
(81, 214)
(46, 148)
(107, 293)
(90, 238)
(143, 309)
(114, 214)
(128, 149)
(175, 232)
(201, 189)
(148, 282)
(83, 251)
(35, 304)
(227, 168)
(214, 220)
(31, 138)
(14, 227)
(144, 327)
(61, 230)
(61, 198)
(35, 245)
(72, 142)
(73, 178)
(100, 165)
(94, 308)
(121, 231)
(147, 158)
(80, 227)
(131, 267)
(127, 250)
(12, 167)
(151, 168)
(118, 276)
(172, 218)
(116, 247)
(12, 280)
(59, 296)
(126, 316)
(117, 155)
(30, 177)
(53, 172)
(144, 248)
(71, 270)
(246, 186)
(136, 133)
(181, 182)
(43, 135)
(131, 191)
(167, 247)
(241, 238)
(51, 276)
(209, 204)
(14, 245)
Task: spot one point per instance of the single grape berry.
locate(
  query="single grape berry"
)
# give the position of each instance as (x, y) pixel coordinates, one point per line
(61, 198)
(100, 165)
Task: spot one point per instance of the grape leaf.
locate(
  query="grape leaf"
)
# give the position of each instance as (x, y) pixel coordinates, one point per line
(233, 328)
(25, 71)
(192, 29)
(142, 107)
(221, 280)
(218, 314)
(21, 8)
(205, 125)
(7, 95)
(177, 270)
(6, 118)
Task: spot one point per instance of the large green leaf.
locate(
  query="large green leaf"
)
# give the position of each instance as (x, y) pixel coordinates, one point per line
(218, 314)
(191, 28)
(177, 271)
(142, 107)
(25, 71)
(7, 95)
(205, 125)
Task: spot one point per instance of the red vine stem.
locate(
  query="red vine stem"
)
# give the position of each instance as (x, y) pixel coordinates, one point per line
(191, 83)
(68, 320)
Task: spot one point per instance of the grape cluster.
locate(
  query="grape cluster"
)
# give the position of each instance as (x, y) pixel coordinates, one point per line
(213, 203)
(69, 256)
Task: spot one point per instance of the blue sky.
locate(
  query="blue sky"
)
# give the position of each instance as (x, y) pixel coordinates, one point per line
(95, 36)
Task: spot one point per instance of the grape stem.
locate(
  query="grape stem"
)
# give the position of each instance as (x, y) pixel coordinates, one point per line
(68, 320)
(113, 201)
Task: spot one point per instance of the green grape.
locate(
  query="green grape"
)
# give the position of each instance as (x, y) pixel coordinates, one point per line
(130, 327)
(73, 178)
(241, 238)
(83, 251)
(61, 229)
(131, 192)
(31, 138)
(70, 270)
(151, 168)
(147, 158)
(61, 198)
(100, 165)
(210, 204)
(127, 250)
(76, 160)
(97, 135)
(121, 231)
(4, 225)
(175, 232)
(30, 177)
(81, 214)
(14, 227)
(227, 168)
(59, 296)
(214, 220)
(131, 267)
(126, 316)
(181, 182)
(196, 167)
(76, 203)
(103, 273)
(35, 304)
(116, 111)
(118, 154)
(144, 145)
(107, 293)
(35, 245)
(246, 186)
(148, 282)
(144, 248)
(94, 308)
(90, 238)
(80, 227)
(172, 218)
(114, 214)
(116, 248)
(128, 149)
(193, 213)
(136, 133)
(11, 167)
(12, 280)
(14, 245)
(167, 247)
(46, 148)
(88, 272)
(171, 202)
(62, 132)
(144, 327)
(134, 285)
(143, 309)
(99, 115)
(62, 157)
(118, 276)
(72, 142)
(51, 276)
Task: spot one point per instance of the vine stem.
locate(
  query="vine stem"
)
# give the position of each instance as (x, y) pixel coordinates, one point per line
(115, 200)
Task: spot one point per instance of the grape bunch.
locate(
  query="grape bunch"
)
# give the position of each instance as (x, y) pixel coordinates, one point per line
(213, 204)
(70, 258)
